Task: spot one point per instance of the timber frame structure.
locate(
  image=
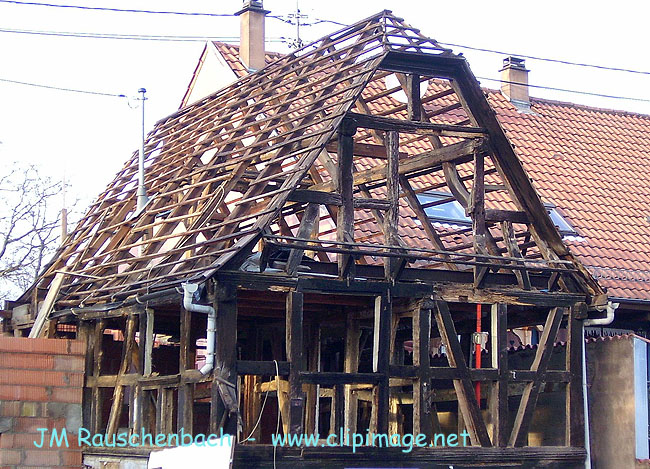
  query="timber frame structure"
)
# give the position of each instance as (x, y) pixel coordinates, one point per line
(284, 197)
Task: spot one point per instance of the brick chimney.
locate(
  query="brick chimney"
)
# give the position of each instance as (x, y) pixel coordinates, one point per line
(251, 47)
(514, 71)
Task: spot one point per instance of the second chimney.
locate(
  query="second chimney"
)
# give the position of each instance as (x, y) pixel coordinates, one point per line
(514, 81)
(251, 46)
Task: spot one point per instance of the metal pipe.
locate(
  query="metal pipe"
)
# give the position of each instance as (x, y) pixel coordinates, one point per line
(477, 358)
(188, 297)
(142, 191)
(611, 309)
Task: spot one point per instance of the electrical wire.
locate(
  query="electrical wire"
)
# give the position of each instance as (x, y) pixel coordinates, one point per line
(118, 10)
(586, 93)
(57, 88)
(547, 59)
(138, 37)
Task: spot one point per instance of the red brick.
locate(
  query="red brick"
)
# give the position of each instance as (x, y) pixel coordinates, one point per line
(41, 378)
(21, 440)
(32, 424)
(28, 361)
(26, 345)
(10, 408)
(77, 347)
(7, 440)
(69, 363)
(23, 393)
(8, 456)
(39, 457)
(71, 458)
(69, 395)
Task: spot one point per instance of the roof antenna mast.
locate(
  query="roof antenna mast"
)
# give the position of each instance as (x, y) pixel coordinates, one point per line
(142, 191)
(297, 42)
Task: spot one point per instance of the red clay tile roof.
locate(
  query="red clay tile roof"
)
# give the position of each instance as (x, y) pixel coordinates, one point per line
(592, 164)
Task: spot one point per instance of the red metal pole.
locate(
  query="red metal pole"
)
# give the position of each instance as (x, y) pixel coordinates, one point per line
(477, 385)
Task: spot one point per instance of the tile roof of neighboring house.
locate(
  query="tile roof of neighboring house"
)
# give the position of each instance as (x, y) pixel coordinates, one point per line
(593, 164)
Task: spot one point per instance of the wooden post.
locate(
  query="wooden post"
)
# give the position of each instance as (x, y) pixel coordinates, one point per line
(312, 405)
(575, 418)
(413, 95)
(392, 265)
(524, 417)
(499, 390)
(477, 206)
(98, 358)
(185, 419)
(85, 334)
(118, 392)
(381, 363)
(464, 390)
(422, 385)
(345, 217)
(223, 406)
(294, 339)
(351, 365)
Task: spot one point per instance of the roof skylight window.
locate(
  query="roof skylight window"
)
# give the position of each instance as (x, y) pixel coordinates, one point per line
(443, 208)
(563, 226)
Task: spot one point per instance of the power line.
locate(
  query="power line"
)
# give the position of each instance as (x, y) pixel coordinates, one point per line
(586, 93)
(547, 59)
(119, 10)
(139, 37)
(57, 88)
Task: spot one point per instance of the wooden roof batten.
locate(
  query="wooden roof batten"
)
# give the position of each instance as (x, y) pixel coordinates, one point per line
(225, 170)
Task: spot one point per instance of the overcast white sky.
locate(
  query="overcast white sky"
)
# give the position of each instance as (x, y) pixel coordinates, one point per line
(90, 137)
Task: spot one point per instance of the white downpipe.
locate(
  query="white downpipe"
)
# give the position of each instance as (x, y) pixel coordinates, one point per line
(611, 309)
(188, 296)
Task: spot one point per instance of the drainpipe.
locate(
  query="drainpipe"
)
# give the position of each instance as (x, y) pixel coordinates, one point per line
(188, 296)
(611, 308)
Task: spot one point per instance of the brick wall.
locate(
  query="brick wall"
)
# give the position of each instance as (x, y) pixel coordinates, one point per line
(41, 384)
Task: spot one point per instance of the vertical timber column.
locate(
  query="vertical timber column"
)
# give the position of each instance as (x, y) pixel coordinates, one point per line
(575, 418)
(381, 363)
(422, 385)
(223, 409)
(478, 218)
(351, 365)
(85, 334)
(294, 337)
(185, 411)
(391, 220)
(499, 390)
(345, 216)
(414, 101)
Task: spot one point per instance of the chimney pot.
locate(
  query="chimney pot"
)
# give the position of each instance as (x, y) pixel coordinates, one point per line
(514, 82)
(252, 34)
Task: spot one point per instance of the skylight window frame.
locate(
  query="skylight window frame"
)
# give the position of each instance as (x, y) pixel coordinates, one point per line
(450, 220)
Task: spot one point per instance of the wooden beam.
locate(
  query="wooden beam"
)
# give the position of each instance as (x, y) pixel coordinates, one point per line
(575, 418)
(125, 363)
(524, 417)
(512, 216)
(387, 124)
(185, 409)
(458, 152)
(413, 96)
(422, 387)
(463, 293)
(47, 305)
(466, 398)
(305, 230)
(392, 266)
(351, 365)
(513, 251)
(499, 389)
(345, 220)
(477, 209)
(366, 150)
(294, 344)
(223, 408)
(381, 363)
